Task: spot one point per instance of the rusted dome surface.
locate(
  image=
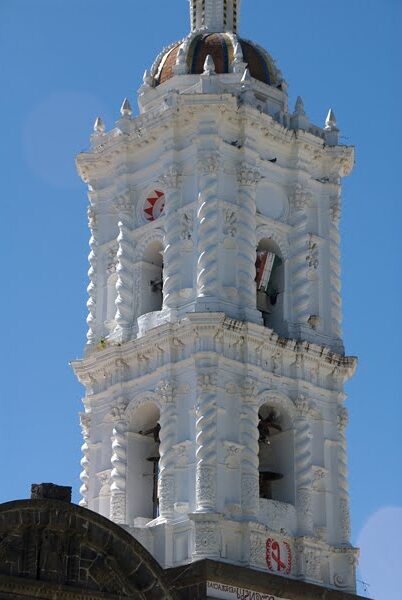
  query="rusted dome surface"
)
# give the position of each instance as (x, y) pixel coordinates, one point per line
(220, 47)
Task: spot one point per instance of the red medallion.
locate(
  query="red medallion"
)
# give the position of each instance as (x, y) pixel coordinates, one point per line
(154, 205)
(279, 556)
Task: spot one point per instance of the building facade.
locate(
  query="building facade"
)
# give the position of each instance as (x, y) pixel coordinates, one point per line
(214, 419)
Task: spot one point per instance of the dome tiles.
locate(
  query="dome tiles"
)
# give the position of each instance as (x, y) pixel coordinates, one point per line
(221, 47)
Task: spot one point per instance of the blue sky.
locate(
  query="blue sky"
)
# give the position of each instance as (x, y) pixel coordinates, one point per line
(64, 62)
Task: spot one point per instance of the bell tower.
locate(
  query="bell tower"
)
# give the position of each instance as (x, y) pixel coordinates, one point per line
(214, 370)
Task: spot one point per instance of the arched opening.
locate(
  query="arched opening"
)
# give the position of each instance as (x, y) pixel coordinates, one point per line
(111, 295)
(270, 284)
(143, 463)
(275, 455)
(152, 278)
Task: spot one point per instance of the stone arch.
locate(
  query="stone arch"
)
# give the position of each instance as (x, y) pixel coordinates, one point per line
(280, 401)
(156, 234)
(147, 397)
(266, 231)
(50, 543)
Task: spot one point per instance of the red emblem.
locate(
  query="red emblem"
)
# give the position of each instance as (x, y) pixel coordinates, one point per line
(279, 556)
(154, 205)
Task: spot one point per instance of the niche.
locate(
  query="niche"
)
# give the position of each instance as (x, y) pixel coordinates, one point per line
(143, 463)
(275, 455)
(270, 282)
(111, 295)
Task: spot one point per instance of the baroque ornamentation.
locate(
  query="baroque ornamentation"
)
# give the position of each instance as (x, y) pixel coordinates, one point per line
(187, 226)
(208, 236)
(230, 223)
(125, 281)
(247, 176)
(206, 539)
(312, 257)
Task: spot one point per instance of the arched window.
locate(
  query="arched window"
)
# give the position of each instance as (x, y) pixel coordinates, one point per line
(270, 284)
(142, 462)
(276, 470)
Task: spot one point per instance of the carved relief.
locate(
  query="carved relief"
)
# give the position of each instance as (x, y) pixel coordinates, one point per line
(187, 226)
(230, 223)
(247, 176)
(312, 257)
(233, 454)
(111, 263)
(300, 198)
(206, 538)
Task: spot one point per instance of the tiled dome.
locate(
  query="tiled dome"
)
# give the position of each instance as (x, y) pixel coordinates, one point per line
(221, 47)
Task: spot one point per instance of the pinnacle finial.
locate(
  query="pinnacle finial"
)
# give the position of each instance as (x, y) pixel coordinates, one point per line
(209, 65)
(330, 121)
(126, 109)
(299, 106)
(99, 126)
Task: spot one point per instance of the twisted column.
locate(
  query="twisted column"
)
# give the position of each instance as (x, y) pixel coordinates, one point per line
(303, 468)
(250, 486)
(85, 421)
(335, 269)
(206, 444)
(168, 437)
(171, 256)
(344, 512)
(247, 242)
(208, 229)
(119, 464)
(91, 289)
(301, 292)
(125, 281)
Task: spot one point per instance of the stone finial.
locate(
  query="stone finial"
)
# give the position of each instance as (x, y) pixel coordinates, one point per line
(330, 121)
(180, 68)
(125, 109)
(331, 132)
(50, 491)
(209, 66)
(299, 106)
(299, 119)
(99, 126)
(147, 78)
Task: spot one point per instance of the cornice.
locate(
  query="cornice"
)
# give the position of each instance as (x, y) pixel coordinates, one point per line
(228, 336)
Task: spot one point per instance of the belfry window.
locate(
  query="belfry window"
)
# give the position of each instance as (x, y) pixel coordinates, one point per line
(275, 455)
(270, 284)
(143, 462)
(152, 280)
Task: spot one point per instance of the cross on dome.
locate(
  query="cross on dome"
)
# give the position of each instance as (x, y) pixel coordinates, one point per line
(214, 15)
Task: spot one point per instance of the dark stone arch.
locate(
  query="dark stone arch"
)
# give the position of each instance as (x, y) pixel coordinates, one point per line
(54, 544)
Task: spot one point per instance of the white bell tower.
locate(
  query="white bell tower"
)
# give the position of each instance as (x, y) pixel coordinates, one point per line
(214, 419)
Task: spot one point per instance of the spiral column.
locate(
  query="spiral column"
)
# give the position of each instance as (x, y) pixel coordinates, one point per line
(208, 227)
(206, 444)
(171, 256)
(250, 487)
(344, 511)
(119, 464)
(125, 280)
(91, 289)
(335, 269)
(247, 242)
(303, 468)
(168, 437)
(85, 421)
(301, 293)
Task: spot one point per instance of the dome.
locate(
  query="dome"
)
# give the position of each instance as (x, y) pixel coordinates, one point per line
(221, 46)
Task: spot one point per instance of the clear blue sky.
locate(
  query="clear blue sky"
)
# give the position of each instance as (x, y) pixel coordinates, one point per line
(63, 62)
